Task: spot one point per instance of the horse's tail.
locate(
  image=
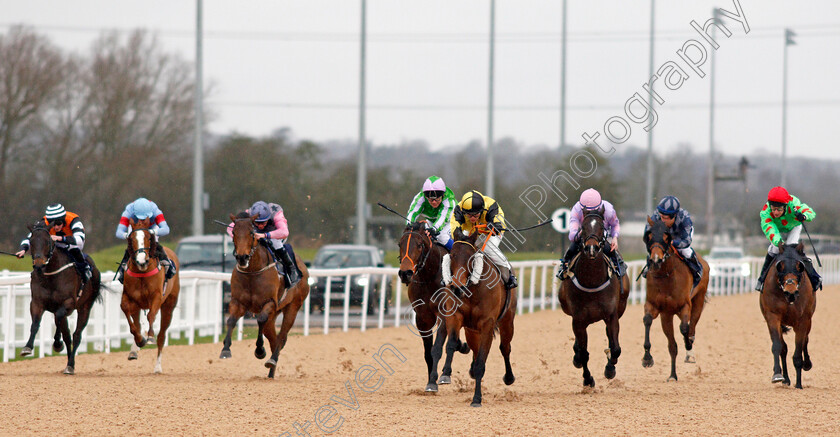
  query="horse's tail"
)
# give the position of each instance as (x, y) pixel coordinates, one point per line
(96, 285)
(785, 329)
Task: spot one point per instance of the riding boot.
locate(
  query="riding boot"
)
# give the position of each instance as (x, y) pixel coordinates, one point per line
(816, 280)
(165, 261)
(512, 282)
(82, 265)
(122, 266)
(620, 267)
(288, 265)
(573, 250)
(767, 260)
(696, 268)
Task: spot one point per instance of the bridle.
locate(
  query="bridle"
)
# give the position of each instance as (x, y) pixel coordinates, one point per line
(253, 245)
(599, 239)
(427, 251)
(144, 249)
(51, 245)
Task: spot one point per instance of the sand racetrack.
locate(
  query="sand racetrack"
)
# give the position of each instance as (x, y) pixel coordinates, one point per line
(727, 392)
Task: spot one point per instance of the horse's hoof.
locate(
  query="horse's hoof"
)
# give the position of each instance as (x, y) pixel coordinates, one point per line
(577, 364)
(132, 356)
(27, 351)
(589, 382)
(158, 370)
(475, 404)
(444, 379)
(259, 353)
(465, 348)
(141, 343)
(509, 379)
(431, 388)
(150, 341)
(225, 354)
(787, 382)
(58, 347)
(689, 357)
(609, 372)
(806, 366)
(777, 377)
(270, 364)
(69, 370)
(647, 362)
(799, 386)
(672, 378)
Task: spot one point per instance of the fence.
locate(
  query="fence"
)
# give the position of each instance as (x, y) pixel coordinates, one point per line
(379, 293)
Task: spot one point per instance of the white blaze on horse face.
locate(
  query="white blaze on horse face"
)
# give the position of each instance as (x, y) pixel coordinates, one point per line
(141, 241)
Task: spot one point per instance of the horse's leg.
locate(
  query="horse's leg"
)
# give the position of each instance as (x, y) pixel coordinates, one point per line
(615, 349)
(581, 357)
(36, 310)
(154, 308)
(453, 325)
(685, 328)
(289, 314)
(797, 354)
(459, 347)
(81, 323)
(505, 337)
(62, 326)
(236, 312)
(259, 350)
(132, 314)
(778, 346)
(696, 310)
(165, 319)
(433, 350)
(806, 359)
(667, 321)
(650, 313)
(57, 346)
(485, 327)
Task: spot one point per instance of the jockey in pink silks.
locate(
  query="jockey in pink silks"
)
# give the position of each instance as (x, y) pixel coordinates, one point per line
(591, 203)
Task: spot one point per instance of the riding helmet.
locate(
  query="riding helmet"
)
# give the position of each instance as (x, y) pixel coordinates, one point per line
(261, 210)
(434, 187)
(590, 199)
(472, 202)
(778, 196)
(143, 208)
(55, 213)
(669, 205)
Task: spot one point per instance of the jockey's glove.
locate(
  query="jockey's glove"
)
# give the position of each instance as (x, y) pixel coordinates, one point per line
(799, 216)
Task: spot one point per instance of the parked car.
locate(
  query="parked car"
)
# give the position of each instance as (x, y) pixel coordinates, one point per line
(335, 256)
(727, 265)
(211, 253)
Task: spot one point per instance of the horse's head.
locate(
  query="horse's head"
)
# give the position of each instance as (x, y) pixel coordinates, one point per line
(415, 247)
(593, 235)
(789, 269)
(658, 242)
(141, 244)
(41, 245)
(465, 265)
(244, 238)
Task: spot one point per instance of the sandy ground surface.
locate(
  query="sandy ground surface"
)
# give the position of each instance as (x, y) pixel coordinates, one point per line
(727, 392)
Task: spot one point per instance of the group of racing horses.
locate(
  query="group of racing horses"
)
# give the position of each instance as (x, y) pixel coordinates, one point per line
(449, 291)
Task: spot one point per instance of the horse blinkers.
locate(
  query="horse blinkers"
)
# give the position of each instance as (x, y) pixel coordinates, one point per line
(789, 281)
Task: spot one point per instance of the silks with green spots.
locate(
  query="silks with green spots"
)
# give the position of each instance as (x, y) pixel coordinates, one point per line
(773, 227)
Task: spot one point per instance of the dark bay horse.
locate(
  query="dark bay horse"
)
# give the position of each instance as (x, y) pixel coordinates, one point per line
(484, 305)
(145, 288)
(420, 270)
(55, 288)
(670, 292)
(256, 287)
(788, 300)
(592, 292)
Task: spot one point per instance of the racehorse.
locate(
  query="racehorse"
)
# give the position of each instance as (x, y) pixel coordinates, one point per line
(788, 300)
(55, 287)
(256, 287)
(145, 287)
(669, 292)
(483, 305)
(592, 292)
(420, 270)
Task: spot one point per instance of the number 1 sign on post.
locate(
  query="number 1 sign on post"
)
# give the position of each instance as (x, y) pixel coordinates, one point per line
(560, 220)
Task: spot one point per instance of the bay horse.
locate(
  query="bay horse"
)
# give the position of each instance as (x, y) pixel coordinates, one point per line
(420, 270)
(483, 306)
(671, 291)
(145, 288)
(55, 286)
(592, 292)
(788, 300)
(256, 287)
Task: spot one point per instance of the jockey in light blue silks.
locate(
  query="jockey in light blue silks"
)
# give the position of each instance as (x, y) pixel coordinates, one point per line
(143, 209)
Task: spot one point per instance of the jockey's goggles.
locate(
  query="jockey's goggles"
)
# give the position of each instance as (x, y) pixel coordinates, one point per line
(433, 195)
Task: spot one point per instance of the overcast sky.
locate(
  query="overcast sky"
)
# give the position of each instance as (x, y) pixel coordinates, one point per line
(296, 64)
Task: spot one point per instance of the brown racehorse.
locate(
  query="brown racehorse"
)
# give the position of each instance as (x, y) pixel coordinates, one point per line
(256, 287)
(669, 293)
(788, 300)
(55, 287)
(593, 292)
(145, 288)
(420, 262)
(484, 305)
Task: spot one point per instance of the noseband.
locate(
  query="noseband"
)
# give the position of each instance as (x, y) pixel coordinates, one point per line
(253, 246)
(146, 250)
(599, 239)
(428, 251)
(51, 246)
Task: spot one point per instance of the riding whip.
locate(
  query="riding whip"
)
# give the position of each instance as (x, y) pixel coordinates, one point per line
(812, 244)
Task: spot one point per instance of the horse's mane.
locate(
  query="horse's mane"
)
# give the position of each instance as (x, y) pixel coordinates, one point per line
(415, 226)
(40, 225)
(243, 215)
(657, 232)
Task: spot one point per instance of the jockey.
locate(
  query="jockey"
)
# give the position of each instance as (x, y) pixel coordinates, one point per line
(682, 230)
(781, 221)
(475, 209)
(273, 230)
(68, 232)
(147, 214)
(436, 202)
(590, 201)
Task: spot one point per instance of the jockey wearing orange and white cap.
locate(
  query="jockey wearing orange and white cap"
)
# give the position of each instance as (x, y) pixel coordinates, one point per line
(590, 202)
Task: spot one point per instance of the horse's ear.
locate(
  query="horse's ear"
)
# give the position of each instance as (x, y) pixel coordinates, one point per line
(232, 218)
(602, 210)
(254, 217)
(800, 248)
(650, 221)
(800, 267)
(133, 223)
(780, 266)
(458, 235)
(646, 237)
(782, 248)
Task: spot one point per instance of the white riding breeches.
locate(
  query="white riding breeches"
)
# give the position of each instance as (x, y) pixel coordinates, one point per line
(444, 235)
(686, 253)
(792, 237)
(492, 250)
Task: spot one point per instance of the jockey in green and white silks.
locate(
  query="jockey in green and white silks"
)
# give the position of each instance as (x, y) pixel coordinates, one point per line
(436, 202)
